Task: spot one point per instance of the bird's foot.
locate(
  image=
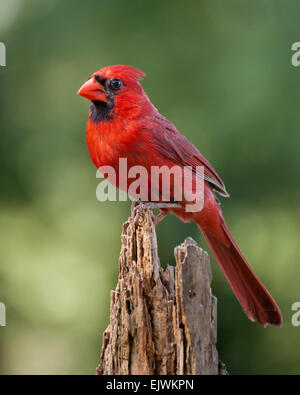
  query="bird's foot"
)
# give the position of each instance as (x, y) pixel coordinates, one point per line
(150, 205)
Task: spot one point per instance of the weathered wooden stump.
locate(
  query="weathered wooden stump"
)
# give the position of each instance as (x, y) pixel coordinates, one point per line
(161, 321)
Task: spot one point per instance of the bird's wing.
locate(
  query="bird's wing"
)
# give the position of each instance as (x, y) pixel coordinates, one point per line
(174, 146)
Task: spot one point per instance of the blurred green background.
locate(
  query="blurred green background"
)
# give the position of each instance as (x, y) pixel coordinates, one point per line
(221, 71)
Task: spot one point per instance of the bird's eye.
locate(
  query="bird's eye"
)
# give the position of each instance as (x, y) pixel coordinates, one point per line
(115, 83)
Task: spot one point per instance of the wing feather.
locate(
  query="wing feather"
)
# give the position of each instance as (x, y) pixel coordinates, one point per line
(177, 148)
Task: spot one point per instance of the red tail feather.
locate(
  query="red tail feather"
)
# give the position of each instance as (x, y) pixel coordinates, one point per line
(255, 300)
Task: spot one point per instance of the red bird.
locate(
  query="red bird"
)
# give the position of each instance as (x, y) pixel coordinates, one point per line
(123, 123)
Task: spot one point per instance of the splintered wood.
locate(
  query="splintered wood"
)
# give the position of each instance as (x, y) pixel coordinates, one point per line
(161, 321)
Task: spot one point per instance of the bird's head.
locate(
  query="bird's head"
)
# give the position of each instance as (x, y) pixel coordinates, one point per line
(115, 91)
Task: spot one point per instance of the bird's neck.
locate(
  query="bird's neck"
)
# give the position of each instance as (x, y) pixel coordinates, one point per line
(109, 140)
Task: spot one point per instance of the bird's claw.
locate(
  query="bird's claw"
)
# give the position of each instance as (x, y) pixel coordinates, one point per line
(150, 205)
(139, 209)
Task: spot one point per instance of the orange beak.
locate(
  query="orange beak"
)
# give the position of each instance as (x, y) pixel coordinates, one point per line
(93, 90)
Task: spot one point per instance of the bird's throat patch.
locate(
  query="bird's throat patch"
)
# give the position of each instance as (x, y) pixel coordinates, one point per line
(101, 111)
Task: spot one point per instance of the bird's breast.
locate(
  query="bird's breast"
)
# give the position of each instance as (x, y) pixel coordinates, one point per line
(108, 141)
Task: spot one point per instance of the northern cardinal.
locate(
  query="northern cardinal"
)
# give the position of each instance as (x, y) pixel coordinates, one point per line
(123, 123)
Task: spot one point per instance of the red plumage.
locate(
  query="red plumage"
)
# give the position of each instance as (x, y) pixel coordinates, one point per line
(123, 123)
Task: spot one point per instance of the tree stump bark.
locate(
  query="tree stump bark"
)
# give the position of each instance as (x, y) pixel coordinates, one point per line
(161, 321)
